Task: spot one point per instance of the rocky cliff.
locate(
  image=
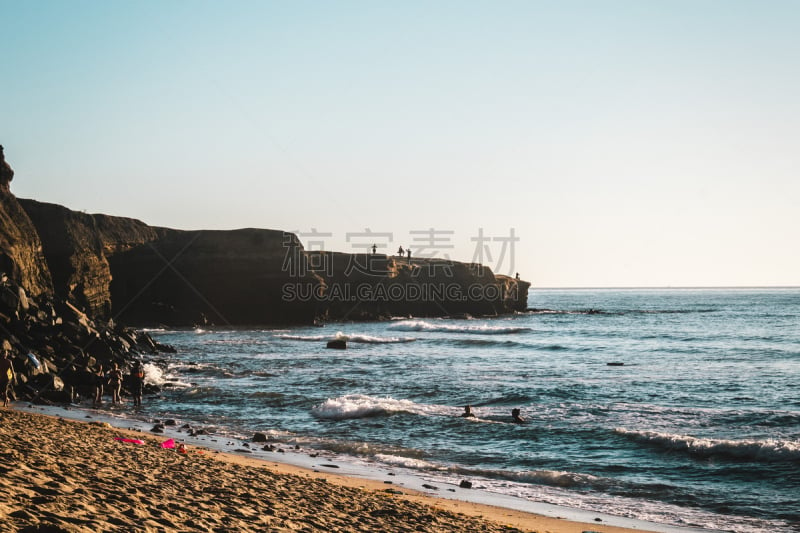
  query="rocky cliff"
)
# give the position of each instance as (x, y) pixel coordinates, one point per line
(122, 268)
(68, 280)
(21, 256)
(210, 277)
(370, 286)
(51, 342)
(77, 246)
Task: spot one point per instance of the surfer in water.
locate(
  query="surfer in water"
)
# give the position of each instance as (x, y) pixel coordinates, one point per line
(515, 416)
(468, 412)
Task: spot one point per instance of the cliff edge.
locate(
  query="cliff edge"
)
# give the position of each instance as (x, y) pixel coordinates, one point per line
(121, 268)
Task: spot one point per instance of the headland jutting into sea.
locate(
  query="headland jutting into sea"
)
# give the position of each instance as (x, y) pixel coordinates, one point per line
(73, 281)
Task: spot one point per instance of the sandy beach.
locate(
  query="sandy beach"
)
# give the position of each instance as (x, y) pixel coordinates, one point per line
(71, 476)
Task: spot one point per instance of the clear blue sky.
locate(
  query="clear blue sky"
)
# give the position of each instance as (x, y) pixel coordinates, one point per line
(625, 143)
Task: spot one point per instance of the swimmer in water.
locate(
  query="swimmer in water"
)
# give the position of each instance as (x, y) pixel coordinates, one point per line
(468, 412)
(515, 415)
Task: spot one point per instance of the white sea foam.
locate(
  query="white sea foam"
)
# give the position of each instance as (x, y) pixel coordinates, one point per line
(557, 478)
(155, 375)
(406, 462)
(367, 339)
(310, 338)
(362, 406)
(482, 329)
(753, 450)
(552, 478)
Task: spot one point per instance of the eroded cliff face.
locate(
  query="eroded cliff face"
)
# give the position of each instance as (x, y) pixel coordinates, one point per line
(77, 246)
(372, 286)
(121, 268)
(21, 255)
(210, 277)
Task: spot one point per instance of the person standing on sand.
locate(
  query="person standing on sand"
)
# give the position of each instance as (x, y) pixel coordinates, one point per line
(70, 377)
(7, 376)
(115, 383)
(137, 383)
(99, 380)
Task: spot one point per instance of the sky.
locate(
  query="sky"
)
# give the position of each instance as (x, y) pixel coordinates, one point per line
(580, 143)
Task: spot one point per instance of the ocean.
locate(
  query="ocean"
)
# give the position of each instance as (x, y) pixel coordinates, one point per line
(676, 406)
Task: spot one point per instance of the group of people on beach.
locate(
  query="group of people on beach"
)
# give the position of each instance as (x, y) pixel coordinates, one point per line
(515, 414)
(101, 381)
(113, 381)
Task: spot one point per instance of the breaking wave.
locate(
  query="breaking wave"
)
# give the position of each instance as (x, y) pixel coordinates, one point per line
(363, 406)
(406, 462)
(367, 339)
(484, 329)
(770, 450)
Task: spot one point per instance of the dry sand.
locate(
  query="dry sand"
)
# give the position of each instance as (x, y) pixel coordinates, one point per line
(60, 475)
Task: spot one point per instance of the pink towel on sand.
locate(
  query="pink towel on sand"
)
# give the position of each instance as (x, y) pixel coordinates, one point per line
(132, 441)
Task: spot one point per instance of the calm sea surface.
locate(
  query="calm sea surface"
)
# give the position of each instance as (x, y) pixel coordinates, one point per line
(699, 425)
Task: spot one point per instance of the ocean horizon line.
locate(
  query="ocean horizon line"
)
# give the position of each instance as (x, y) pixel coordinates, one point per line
(667, 287)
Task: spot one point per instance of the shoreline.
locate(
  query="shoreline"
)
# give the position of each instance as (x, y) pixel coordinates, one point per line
(504, 512)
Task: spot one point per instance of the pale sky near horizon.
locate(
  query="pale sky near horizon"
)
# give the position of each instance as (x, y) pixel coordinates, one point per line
(624, 143)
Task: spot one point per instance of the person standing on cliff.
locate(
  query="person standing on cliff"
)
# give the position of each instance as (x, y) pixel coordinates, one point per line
(409, 254)
(7, 376)
(374, 249)
(401, 252)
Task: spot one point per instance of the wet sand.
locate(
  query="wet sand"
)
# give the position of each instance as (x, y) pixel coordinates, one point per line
(72, 476)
